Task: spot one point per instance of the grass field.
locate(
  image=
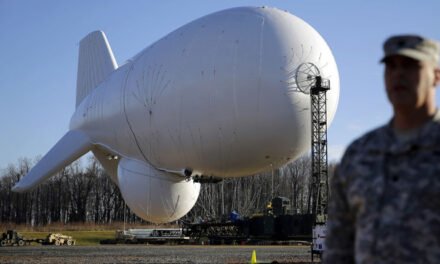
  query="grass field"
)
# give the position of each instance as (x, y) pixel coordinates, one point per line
(83, 238)
(84, 234)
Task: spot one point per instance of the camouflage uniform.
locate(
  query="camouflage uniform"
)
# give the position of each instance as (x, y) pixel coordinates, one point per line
(385, 199)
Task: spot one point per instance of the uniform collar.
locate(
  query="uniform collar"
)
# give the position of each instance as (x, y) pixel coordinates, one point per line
(421, 139)
(435, 119)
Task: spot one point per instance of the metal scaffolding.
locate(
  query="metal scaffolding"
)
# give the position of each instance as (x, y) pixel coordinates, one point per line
(320, 190)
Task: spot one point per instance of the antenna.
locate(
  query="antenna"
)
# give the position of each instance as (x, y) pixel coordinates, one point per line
(305, 76)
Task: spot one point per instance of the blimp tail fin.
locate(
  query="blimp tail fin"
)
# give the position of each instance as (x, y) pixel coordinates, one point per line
(95, 63)
(70, 147)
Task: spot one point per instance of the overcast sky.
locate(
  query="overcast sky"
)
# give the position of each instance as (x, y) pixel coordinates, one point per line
(39, 49)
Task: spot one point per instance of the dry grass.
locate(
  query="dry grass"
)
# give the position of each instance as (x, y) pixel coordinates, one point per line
(85, 234)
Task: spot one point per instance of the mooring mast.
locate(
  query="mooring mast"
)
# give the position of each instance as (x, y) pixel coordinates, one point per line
(320, 190)
(309, 81)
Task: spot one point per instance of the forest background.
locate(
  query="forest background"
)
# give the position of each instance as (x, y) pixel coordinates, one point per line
(84, 195)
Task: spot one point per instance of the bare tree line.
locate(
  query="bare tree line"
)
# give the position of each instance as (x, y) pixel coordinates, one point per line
(86, 194)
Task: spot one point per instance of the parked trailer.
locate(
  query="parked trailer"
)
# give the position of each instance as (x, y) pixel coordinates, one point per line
(13, 238)
(139, 236)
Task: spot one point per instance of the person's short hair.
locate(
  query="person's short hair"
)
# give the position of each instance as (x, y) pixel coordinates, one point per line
(412, 46)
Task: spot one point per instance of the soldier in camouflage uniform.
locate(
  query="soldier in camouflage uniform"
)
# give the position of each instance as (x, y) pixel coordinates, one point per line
(385, 195)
